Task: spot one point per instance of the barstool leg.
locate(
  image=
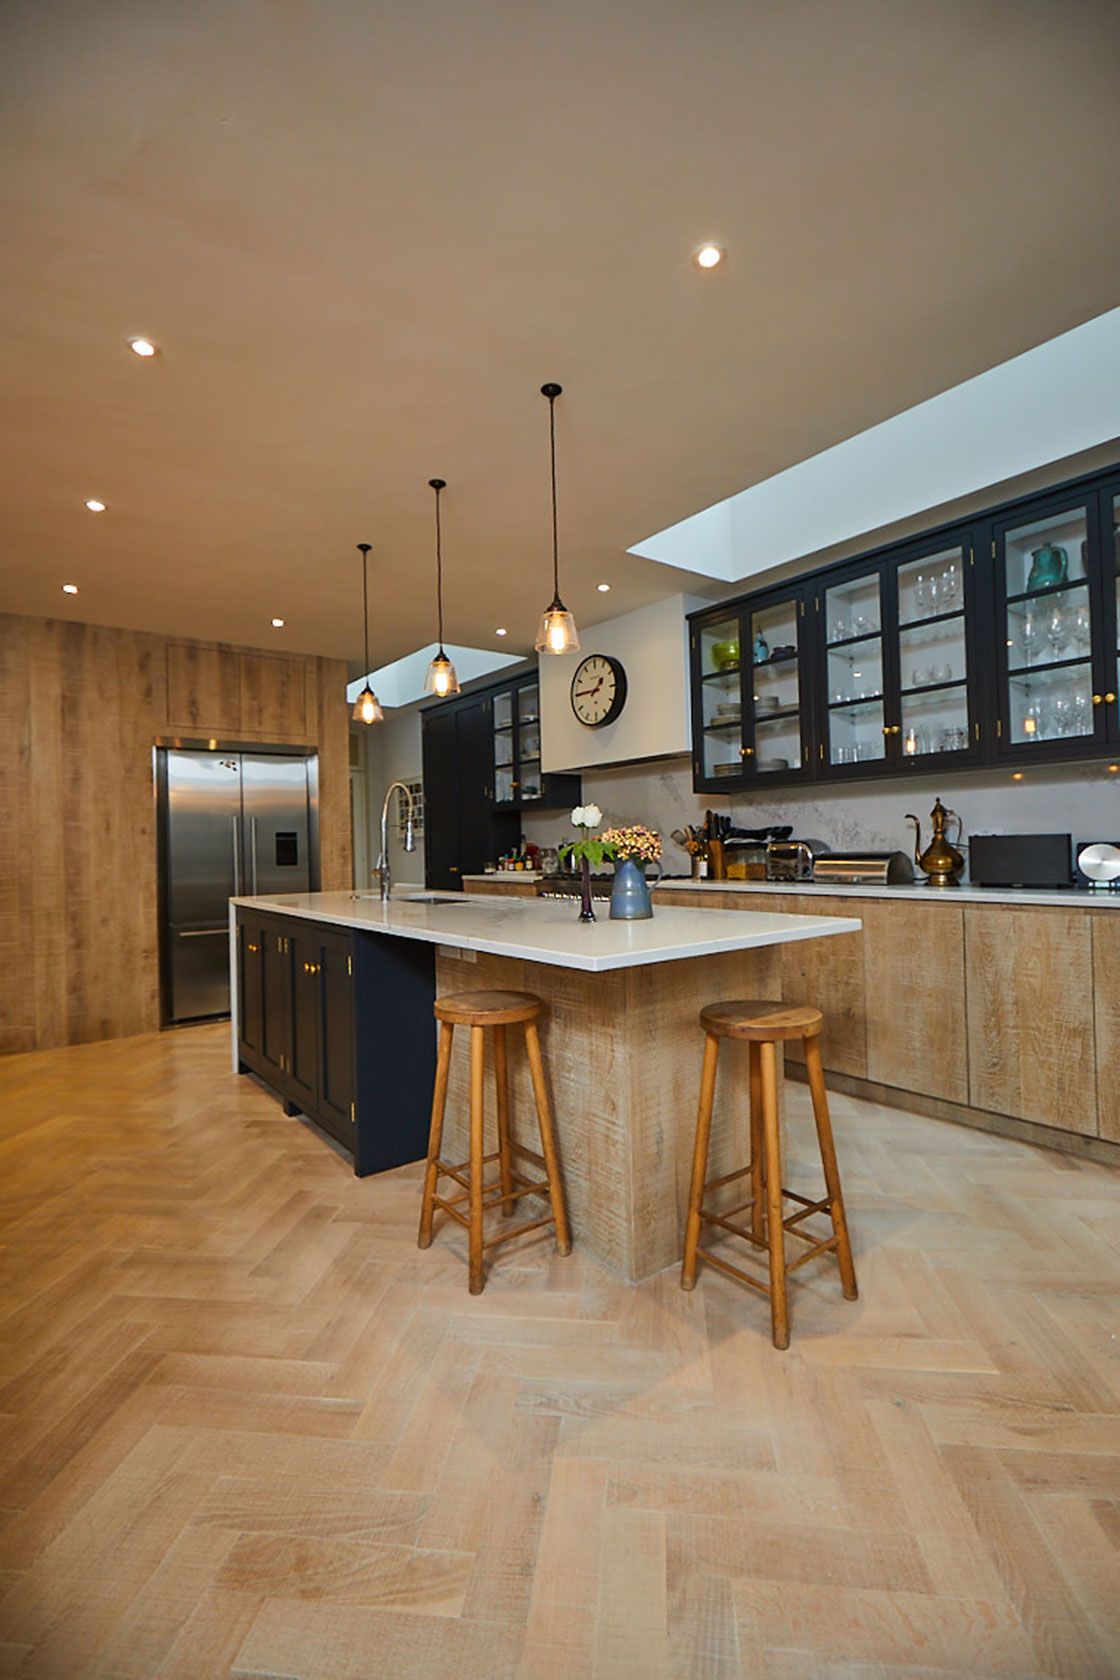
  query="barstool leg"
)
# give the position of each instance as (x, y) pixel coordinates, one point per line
(699, 1160)
(831, 1171)
(475, 1228)
(758, 1176)
(548, 1144)
(435, 1134)
(775, 1230)
(501, 1091)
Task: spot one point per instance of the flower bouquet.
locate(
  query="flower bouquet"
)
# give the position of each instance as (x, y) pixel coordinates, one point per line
(633, 842)
(586, 852)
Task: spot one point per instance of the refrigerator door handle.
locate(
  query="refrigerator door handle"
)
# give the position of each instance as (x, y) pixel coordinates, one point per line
(236, 822)
(253, 850)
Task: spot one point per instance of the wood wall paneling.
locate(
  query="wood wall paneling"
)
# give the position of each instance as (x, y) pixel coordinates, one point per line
(1031, 1038)
(80, 708)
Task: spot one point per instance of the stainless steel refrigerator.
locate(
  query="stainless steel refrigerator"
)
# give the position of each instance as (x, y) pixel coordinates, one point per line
(231, 823)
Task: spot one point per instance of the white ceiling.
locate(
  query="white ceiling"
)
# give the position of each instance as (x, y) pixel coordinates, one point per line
(363, 234)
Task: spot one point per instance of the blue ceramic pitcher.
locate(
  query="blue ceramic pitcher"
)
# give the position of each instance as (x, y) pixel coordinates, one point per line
(630, 900)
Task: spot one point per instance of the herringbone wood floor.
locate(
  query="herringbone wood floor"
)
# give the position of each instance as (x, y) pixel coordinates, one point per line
(249, 1429)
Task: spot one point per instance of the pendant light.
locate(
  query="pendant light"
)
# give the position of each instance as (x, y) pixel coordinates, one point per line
(441, 678)
(367, 707)
(556, 632)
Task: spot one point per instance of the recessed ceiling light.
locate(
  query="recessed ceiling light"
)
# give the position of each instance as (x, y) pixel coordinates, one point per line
(709, 256)
(95, 506)
(278, 624)
(501, 632)
(603, 588)
(142, 346)
(69, 589)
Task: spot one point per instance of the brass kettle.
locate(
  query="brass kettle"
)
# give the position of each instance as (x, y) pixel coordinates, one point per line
(941, 861)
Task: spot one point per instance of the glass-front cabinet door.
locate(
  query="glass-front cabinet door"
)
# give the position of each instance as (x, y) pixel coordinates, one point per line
(855, 734)
(529, 742)
(505, 748)
(935, 713)
(717, 701)
(1053, 660)
(776, 738)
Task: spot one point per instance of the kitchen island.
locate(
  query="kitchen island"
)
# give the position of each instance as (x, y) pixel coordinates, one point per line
(619, 1031)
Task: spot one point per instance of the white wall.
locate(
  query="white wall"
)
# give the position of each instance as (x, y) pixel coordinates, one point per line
(392, 753)
(652, 644)
(1083, 800)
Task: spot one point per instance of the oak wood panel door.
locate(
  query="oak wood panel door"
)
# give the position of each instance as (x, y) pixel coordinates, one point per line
(1031, 1040)
(273, 696)
(917, 1039)
(829, 975)
(203, 688)
(1106, 997)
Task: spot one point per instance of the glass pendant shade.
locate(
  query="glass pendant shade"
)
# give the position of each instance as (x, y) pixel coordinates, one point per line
(441, 678)
(556, 632)
(367, 707)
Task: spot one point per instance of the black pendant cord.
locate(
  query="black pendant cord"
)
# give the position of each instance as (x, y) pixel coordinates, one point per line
(437, 485)
(365, 548)
(552, 391)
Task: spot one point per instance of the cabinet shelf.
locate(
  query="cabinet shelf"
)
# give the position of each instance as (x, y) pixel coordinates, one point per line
(1028, 595)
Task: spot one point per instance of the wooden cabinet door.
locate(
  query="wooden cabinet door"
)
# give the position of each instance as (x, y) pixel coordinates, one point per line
(335, 985)
(829, 974)
(914, 973)
(1031, 1049)
(250, 989)
(303, 1063)
(1106, 998)
(276, 1002)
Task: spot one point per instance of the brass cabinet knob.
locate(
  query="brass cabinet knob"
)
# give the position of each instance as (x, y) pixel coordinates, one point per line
(252, 947)
(1109, 698)
(892, 729)
(1098, 699)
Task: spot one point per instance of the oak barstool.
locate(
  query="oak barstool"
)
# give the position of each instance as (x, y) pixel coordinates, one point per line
(764, 1025)
(494, 1011)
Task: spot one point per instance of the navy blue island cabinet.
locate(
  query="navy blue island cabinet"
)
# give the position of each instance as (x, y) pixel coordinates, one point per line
(339, 1024)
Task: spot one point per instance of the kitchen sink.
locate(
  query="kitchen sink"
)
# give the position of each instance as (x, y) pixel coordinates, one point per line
(435, 898)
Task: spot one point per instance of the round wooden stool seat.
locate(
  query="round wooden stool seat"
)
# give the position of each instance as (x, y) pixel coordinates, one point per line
(760, 1021)
(487, 1009)
(764, 1024)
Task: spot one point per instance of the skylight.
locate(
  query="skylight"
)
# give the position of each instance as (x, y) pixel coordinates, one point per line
(1050, 402)
(402, 682)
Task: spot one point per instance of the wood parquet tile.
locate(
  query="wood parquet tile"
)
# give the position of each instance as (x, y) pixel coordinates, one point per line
(248, 1430)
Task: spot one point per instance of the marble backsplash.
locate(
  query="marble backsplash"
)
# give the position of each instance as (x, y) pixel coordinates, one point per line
(869, 816)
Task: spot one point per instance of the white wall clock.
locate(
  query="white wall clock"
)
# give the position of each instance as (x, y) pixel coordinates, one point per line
(598, 690)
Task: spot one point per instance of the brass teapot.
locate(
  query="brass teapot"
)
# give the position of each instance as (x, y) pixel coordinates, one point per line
(941, 861)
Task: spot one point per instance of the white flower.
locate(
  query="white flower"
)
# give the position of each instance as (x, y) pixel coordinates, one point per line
(579, 816)
(592, 816)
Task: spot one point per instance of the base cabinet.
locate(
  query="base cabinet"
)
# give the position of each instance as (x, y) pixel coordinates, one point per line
(340, 1026)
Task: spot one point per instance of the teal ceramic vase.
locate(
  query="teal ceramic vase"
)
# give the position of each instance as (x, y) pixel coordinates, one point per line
(630, 900)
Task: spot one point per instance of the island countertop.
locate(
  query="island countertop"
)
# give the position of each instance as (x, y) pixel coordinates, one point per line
(549, 931)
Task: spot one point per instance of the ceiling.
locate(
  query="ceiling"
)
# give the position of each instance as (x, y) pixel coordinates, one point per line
(364, 234)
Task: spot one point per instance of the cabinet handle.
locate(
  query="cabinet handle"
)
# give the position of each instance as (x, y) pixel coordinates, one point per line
(892, 729)
(1109, 698)
(745, 752)
(453, 869)
(1098, 699)
(253, 948)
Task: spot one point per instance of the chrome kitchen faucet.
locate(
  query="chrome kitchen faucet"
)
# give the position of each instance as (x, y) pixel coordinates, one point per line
(383, 873)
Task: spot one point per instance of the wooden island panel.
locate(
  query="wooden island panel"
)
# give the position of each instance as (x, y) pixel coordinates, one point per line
(1031, 1039)
(622, 1052)
(1106, 1006)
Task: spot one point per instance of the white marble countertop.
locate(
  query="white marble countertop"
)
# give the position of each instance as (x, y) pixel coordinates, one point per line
(1066, 898)
(549, 930)
(507, 875)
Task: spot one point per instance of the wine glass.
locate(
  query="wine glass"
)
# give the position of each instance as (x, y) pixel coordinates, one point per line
(1057, 633)
(1030, 636)
(1082, 627)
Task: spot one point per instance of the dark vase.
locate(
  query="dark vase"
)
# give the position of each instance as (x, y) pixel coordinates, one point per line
(586, 913)
(630, 900)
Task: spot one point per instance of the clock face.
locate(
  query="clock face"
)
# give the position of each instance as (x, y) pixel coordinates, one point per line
(598, 690)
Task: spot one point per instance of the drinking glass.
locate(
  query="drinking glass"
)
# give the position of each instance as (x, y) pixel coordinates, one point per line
(1056, 632)
(1082, 627)
(1030, 635)
(841, 629)
(923, 587)
(950, 587)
